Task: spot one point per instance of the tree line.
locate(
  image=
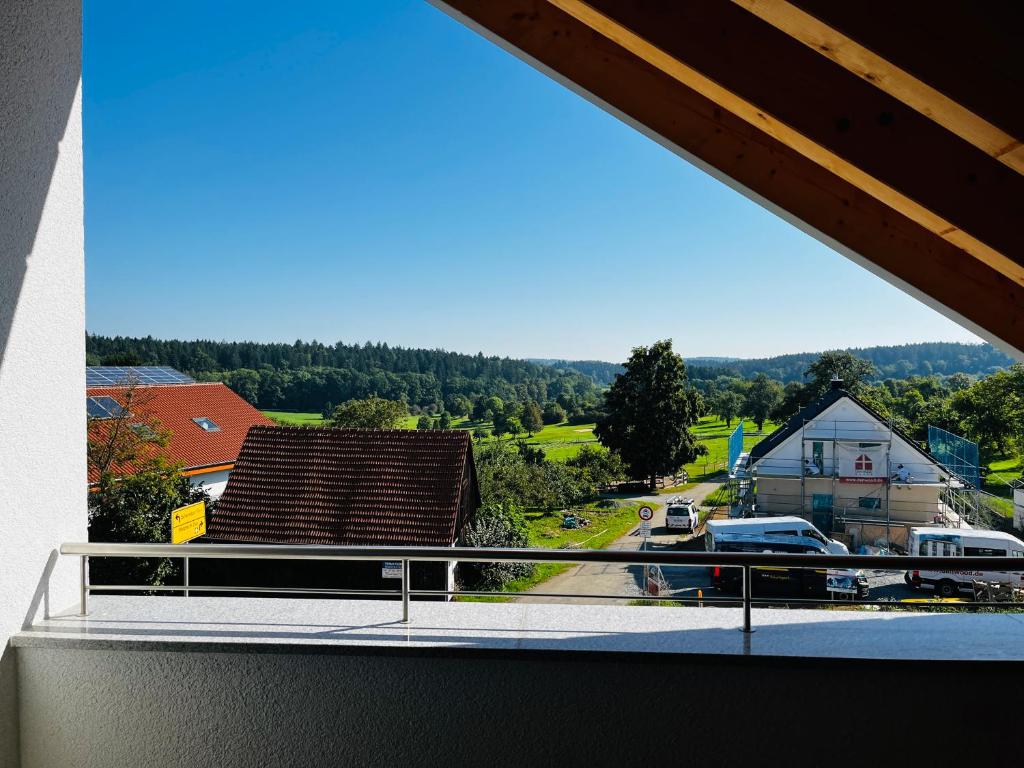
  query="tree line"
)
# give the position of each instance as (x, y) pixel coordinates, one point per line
(313, 377)
(895, 362)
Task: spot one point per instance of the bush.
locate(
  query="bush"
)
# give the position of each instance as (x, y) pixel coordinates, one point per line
(586, 416)
(496, 525)
(137, 509)
(553, 413)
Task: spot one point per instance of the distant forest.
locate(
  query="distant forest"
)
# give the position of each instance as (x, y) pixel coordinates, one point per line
(894, 362)
(310, 376)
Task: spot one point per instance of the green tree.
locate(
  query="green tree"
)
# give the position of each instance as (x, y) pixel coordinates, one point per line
(458, 405)
(763, 396)
(727, 405)
(424, 422)
(650, 410)
(853, 371)
(553, 413)
(596, 466)
(445, 422)
(372, 413)
(794, 397)
(137, 509)
(991, 410)
(132, 436)
(532, 419)
(510, 425)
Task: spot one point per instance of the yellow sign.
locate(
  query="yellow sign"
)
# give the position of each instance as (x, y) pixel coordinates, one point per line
(188, 522)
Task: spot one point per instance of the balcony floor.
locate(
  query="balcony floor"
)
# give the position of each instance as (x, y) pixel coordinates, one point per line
(278, 625)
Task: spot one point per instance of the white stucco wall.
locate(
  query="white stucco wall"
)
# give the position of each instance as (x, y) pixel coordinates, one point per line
(213, 482)
(847, 421)
(42, 318)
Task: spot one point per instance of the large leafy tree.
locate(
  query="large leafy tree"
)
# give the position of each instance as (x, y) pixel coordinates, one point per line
(531, 419)
(727, 405)
(650, 409)
(762, 397)
(372, 413)
(854, 372)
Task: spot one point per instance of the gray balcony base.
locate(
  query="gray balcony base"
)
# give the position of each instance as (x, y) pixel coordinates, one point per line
(197, 623)
(226, 682)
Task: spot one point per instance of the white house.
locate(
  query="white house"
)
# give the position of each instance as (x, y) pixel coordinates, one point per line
(845, 467)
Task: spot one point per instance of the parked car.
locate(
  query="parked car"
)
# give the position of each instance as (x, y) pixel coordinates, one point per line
(681, 515)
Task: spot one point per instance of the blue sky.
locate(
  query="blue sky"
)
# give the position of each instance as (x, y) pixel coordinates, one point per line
(376, 171)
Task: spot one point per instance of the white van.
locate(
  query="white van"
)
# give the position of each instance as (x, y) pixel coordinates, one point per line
(963, 542)
(681, 515)
(776, 526)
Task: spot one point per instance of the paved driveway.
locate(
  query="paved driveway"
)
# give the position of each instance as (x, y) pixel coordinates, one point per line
(618, 579)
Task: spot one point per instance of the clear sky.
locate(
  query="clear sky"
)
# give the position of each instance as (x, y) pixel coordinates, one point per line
(376, 171)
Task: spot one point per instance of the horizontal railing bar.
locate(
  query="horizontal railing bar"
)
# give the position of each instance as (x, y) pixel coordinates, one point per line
(714, 599)
(222, 588)
(502, 555)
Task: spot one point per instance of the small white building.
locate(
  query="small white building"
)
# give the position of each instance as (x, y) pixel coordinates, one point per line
(846, 468)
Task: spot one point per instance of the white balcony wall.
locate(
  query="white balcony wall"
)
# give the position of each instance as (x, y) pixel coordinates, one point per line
(42, 320)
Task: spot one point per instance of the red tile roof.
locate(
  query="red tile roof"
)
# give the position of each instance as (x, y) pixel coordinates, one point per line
(294, 485)
(174, 406)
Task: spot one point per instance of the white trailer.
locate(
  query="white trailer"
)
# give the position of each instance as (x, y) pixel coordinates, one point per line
(963, 542)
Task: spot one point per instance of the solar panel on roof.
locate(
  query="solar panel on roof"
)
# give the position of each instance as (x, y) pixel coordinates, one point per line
(103, 408)
(113, 375)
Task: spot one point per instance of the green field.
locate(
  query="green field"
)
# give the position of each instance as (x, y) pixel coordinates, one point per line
(563, 441)
(559, 441)
(713, 433)
(297, 419)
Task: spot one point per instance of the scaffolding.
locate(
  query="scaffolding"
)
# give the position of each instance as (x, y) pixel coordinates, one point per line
(957, 454)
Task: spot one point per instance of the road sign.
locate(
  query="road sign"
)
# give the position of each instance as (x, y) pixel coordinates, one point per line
(645, 528)
(391, 569)
(188, 522)
(646, 513)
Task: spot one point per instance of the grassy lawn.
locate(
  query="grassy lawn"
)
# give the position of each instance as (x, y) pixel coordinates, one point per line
(607, 523)
(559, 441)
(713, 433)
(297, 419)
(1001, 473)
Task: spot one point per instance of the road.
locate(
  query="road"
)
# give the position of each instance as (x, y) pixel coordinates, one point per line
(617, 579)
(627, 580)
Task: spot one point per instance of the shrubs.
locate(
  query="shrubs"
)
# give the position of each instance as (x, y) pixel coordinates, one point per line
(553, 413)
(496, 525)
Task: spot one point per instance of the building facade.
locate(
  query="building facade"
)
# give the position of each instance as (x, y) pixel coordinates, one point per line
(847, 469)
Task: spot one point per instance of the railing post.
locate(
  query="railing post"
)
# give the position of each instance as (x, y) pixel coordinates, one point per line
(405, 591)
(747, 584)
(83, 586)
(186, 575)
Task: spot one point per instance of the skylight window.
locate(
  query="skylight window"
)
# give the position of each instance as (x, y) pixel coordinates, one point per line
(206, 424)
(103, 408)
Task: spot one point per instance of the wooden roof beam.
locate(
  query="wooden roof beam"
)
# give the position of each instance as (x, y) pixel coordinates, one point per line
(746, 157)
(888, 77)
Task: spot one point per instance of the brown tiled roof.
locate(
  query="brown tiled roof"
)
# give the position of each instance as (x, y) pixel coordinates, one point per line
(174, 407)
(295, 485)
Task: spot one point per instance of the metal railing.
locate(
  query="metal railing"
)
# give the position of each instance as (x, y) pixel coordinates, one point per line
(407, 555)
